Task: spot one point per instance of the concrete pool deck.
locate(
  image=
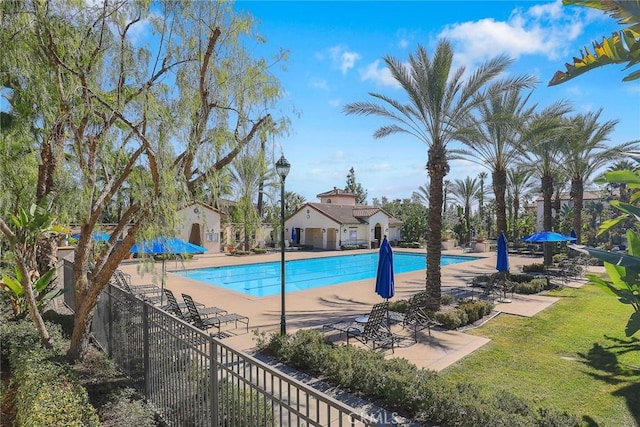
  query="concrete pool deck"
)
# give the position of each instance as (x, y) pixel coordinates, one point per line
(316, 307)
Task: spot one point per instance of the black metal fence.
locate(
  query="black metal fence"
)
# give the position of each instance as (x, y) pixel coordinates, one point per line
(193, 379)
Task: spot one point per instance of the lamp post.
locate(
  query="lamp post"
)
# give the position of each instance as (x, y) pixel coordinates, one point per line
(282, 168)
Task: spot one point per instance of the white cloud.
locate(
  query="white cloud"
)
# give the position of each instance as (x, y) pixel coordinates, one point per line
(380, 76)
(343, 59)
(335, 102)
(632, 89)
(319, 84)
(403, 43)
(546, 29)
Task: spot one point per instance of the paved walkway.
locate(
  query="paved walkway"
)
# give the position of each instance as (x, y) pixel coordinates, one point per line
(315, 307)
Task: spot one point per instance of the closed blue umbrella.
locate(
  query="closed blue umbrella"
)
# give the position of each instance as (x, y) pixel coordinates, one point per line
(166, 246)
(385, 284)
(294, 238)
(502, 263)
(573, 234)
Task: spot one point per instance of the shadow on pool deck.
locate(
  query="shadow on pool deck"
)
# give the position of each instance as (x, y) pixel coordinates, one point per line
(315, 307)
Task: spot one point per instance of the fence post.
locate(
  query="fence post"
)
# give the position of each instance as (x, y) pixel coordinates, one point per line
(109, 321)
(145, 350)
(213, 383)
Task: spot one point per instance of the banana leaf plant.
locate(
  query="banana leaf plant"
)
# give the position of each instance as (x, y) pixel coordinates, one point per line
(620, 48)
(15, 292)
(623, 268)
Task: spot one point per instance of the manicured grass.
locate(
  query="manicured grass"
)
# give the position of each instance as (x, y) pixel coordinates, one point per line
(573, 357)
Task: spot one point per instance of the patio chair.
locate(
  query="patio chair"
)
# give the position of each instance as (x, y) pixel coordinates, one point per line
(202, 310)
(150, 293)
(374, 329)
(172, 306)
(416, 318)
(216, 321)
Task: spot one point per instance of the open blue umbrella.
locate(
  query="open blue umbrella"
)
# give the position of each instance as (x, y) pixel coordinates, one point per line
(502, 263)
(96, 236)
(294, 238)
(385, 285)
(166, 246)
(547, 236)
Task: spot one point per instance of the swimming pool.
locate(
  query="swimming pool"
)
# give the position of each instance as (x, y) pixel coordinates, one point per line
(263, 279)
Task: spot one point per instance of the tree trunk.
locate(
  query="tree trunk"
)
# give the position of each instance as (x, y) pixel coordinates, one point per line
(437, 167)
(547, 218)
(516, 228)
(499, 189)
(36, 317)
(577, 194)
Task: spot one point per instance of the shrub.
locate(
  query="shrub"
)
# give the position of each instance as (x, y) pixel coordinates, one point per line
(259, 250)
(475, 310)
(449, 319)
(533, 268)
(401, 306)
(126, 408)
(531, 287)
(48, 395)
(446, 299)
(409, 245)
(520, 277)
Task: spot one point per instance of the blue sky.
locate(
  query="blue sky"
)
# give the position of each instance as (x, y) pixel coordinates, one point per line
(336, 51)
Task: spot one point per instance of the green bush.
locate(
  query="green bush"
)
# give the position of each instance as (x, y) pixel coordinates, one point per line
(259, 250)
(520, 277)
(532, 287)
(413, 392)
(446, 299)
(533, 268)
(126, 408)
(449, 319)
(409, 245)
(48, 395)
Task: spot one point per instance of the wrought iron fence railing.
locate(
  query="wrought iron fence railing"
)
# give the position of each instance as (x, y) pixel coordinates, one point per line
(193, 379)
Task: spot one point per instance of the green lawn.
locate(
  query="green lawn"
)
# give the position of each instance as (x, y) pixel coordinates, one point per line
(573, 356)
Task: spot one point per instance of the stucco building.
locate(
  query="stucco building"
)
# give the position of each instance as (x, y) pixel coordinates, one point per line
(337, 221)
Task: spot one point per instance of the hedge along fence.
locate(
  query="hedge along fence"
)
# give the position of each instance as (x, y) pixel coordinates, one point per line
(47, 392)
(398, 385)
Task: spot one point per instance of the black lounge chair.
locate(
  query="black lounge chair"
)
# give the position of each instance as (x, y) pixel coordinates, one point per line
(374, 329)
(202, 310)
(150, 293)
(416, 318)
(216, 321)
(173, 306)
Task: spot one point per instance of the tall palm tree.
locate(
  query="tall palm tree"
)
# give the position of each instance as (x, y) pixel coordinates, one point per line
(494, 140)
(542, 148)
(519, 185)
(622, 165)
(585, 153)
(482, 176)
(423, 194)
(440, 101)
(466, 190)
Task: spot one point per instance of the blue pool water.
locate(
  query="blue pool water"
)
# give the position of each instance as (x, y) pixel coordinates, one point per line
(263, 279)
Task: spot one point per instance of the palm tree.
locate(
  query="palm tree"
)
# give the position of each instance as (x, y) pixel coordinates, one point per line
(542, 148)
(494, 140)
(622, 165)
(482, 176)
(423, 194)
(440, 101)
(465, 190)
(519, 185)
(585, 153)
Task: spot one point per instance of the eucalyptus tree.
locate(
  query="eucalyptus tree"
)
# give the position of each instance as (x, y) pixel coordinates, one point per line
(440, 100)
(494, 139)
(519, 185)
(465, 191)
(542, 149)
(122, 100)
(586, 152)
